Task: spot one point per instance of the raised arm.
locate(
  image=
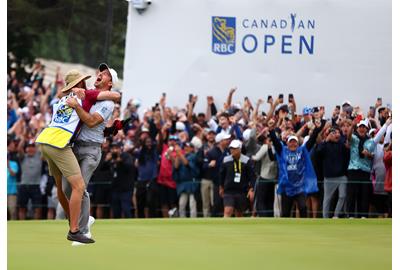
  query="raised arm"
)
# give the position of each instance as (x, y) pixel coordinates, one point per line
(261, 153)
(382, 131)
(313, 138)
(229, 99)
(109, 95)
(190, 109)
(275, 141)
(255, 113)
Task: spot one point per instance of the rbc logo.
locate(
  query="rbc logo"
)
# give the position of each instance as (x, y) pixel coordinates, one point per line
(63, 114)
(223, 35)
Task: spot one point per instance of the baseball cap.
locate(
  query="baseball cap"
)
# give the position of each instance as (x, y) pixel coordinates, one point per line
(246, 134)
(235, 144)
(346, 102)
(283, 107)
(363, 123)
(180, 126)
(307, 110)
(373, 130)
(381, 108)
(144, 129)
(209, 130)
(114, 75)
(222, 136)
(116, 144)
(292, 138)
(173, 138)
(30, 143)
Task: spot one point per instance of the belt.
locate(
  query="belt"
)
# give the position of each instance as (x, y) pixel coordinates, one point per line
(82, 143)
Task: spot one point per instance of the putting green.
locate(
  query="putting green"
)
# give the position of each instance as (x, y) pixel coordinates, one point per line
(247, 244)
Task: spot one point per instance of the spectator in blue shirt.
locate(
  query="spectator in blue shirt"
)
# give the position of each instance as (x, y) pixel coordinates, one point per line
(296, 174)
(12, 170)
(184, 174)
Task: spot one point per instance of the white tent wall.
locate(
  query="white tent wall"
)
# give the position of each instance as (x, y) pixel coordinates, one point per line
(169, 49)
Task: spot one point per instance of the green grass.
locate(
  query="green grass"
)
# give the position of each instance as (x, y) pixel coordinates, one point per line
(205, 244)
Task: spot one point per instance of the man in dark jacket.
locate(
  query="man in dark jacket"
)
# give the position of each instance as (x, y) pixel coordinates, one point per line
(120, 164)
(335, 158)
(237, 180)
(211, 167)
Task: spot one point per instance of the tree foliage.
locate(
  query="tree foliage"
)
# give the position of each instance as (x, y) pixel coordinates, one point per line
(79, 31)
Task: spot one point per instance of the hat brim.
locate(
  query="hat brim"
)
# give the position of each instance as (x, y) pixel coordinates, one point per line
(74, 83)
(103, 66)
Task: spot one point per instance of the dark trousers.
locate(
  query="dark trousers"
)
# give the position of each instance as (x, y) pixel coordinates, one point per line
(141, 197)
(218, 207)
(264, 197)
(359, 191)
(287, 204)
(121, 203)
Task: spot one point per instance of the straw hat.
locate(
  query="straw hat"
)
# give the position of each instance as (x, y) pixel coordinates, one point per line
(72, 78)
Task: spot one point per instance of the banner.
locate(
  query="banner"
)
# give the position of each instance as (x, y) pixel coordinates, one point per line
(324, 52)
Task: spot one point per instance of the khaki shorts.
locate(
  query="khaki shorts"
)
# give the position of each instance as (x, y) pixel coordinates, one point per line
(61, 161)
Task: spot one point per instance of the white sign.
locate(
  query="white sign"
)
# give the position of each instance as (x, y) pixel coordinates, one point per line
(324, 52)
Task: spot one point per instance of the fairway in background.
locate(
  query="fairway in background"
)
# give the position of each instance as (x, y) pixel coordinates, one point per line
(205, 244)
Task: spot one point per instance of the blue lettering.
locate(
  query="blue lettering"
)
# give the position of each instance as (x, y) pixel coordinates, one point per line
(310, 48)
(274, 25)
(245, 23)
(283, 24)
(269, 40)
(286, 44)
(254, 24)
(301, 25)
(254, 43)
(311, 24)
(264, 23)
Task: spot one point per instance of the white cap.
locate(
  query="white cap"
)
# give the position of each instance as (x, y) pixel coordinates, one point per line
(371, 131)
(235, 144)
(180, 126)
(222, 136)
(27, 89)
(363, 123)
(136, 102)
(292, 137)
(246, 134)
(242, 122)
(114, 75)
(346, 102)
(237, 106)
(197, 143)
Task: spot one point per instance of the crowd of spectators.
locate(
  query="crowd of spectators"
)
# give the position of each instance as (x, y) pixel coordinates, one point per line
(173, 162)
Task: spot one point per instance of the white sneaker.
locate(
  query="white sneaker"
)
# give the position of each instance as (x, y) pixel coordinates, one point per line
(74, 243)
(90, 223)
(172, 212)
